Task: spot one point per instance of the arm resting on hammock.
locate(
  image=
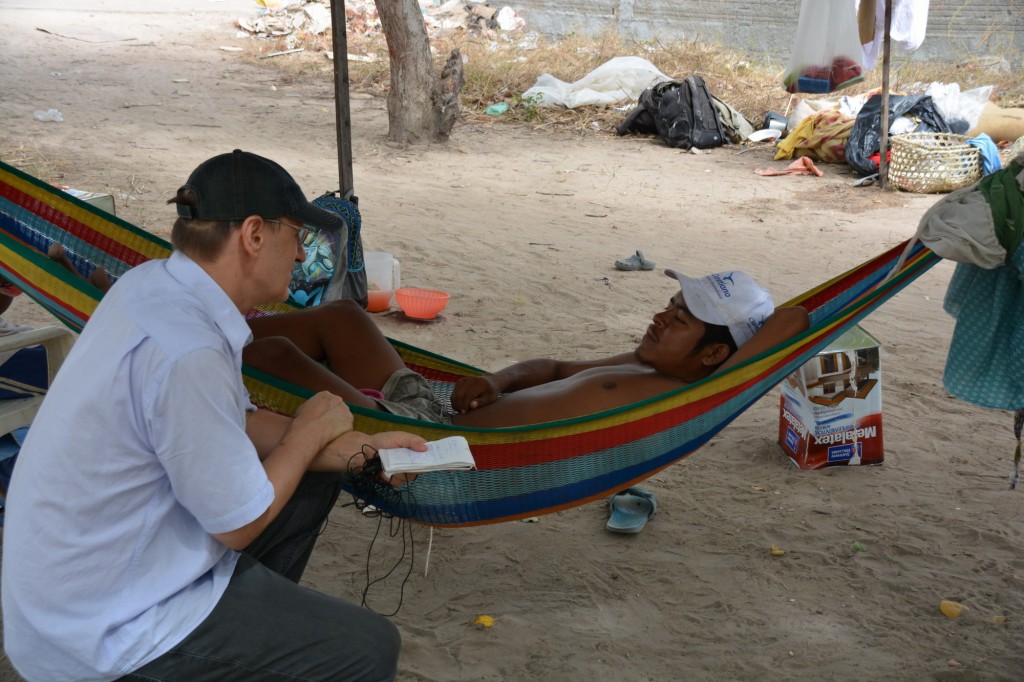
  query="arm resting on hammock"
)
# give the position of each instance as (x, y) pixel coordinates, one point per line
(782, 325)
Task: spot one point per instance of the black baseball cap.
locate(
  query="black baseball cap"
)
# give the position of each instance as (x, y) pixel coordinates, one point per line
(240, 184)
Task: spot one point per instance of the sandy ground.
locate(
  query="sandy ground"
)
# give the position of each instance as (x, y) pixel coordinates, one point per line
(522, 227)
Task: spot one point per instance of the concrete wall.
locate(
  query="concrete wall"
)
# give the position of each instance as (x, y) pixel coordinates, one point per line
(957, 29)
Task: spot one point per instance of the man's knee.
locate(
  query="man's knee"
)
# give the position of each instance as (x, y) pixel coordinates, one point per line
(269, 352)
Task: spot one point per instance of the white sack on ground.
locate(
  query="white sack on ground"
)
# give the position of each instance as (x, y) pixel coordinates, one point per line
(618, 80)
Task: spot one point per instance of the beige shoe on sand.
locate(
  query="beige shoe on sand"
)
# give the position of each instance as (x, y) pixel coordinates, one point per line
(635, 262)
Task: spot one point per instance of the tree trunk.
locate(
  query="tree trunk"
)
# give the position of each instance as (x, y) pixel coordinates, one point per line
(421, 108)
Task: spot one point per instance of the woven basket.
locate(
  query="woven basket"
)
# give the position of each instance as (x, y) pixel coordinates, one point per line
(933, 162)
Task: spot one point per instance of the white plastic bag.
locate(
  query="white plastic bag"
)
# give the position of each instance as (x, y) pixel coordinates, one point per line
(509, 20)
(955, 105)
(827, 54)
(49, 115)
(618, 80)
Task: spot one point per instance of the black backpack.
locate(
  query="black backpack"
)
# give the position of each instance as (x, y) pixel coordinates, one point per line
(682, 113)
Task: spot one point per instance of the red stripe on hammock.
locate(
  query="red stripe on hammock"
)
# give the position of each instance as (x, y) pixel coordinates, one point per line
(557, 448)
(884, 260)
(73, 227)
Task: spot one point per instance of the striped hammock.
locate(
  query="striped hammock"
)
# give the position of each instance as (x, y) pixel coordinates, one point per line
(521, 471)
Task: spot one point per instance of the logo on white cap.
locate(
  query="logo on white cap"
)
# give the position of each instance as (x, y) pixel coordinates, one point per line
(732, 299)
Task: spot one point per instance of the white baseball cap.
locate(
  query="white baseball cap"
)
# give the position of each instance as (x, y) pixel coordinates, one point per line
(732, 299)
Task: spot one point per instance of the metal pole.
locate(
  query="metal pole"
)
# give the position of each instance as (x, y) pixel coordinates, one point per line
(883, 144)
(342, 114)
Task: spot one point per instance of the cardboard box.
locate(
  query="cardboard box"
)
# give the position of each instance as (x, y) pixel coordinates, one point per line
(830, 412)
(101, 201)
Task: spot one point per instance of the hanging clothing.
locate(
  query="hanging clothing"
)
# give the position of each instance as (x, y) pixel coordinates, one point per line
(907, 31)
(985, 365)
(1004, 193)
(909, 23)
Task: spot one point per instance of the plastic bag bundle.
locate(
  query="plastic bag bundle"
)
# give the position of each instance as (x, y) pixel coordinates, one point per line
(827, 55)
(960, 109)
(866, 135)
(620, 79)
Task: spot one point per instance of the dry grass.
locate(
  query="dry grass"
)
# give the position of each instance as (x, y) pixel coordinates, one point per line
(501, 70)
(34, 161)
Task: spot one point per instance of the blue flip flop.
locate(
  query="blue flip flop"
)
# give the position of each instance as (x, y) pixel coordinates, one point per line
(630, 510)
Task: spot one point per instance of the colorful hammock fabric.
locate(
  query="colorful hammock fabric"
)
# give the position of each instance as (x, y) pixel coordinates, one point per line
(521, 471)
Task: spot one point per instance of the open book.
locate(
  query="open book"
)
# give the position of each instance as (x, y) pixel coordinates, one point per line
(441, 455)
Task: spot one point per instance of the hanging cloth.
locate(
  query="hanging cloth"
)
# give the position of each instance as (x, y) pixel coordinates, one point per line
(985, 365)
(1004, 192)
(907, 31)
(909, 23)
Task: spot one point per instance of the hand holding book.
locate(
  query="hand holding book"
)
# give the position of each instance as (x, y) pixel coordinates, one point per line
(441, 455)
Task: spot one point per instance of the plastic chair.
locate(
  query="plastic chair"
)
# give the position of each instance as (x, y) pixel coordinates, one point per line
(18, 412)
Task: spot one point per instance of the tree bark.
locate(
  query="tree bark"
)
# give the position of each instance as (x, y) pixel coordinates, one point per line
(421, 108)
(445, 95)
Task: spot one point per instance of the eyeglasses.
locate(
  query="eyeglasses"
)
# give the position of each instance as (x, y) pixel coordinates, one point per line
(300, 232)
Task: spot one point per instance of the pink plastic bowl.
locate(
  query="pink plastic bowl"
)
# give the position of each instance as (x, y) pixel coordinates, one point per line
(421, 304)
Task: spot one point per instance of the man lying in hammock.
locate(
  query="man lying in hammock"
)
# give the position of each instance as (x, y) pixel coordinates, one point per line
(711, 323)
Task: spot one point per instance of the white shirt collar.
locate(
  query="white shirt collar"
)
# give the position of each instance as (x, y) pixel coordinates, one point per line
(225, 313)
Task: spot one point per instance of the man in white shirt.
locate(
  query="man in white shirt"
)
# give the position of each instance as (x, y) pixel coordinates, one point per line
(157, 522)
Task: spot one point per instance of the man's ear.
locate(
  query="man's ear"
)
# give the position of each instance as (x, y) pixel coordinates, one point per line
(715, 354)
(253, 235)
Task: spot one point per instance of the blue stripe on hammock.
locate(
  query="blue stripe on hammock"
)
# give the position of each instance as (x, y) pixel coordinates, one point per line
(38, 233)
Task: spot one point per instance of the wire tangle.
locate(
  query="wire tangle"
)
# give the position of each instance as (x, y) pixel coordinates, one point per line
(372, 495)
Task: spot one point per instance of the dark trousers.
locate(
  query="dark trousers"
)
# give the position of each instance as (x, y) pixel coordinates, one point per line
(266, 627)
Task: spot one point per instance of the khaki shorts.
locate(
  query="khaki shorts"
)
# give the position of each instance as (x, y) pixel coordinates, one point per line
(408, 394)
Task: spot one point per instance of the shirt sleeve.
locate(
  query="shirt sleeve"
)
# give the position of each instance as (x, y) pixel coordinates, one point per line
(196, 419)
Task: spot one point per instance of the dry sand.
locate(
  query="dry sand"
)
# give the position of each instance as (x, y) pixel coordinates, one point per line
(522, 226)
